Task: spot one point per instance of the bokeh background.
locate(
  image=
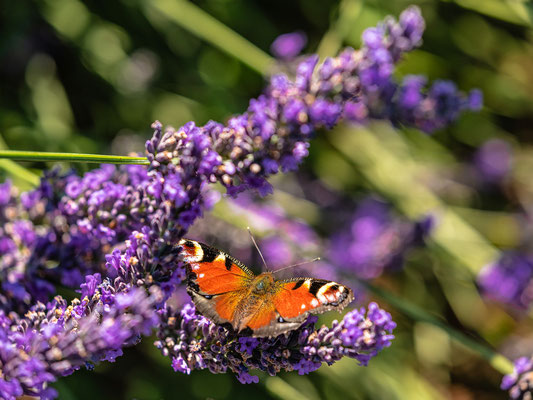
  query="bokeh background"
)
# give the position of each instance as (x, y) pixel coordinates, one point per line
(91, 76)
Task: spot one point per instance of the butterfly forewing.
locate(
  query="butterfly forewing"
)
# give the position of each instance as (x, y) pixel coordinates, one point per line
(216, 282)
(211, 272)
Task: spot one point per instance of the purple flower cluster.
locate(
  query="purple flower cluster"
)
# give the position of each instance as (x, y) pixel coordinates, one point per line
(374, 240)
(56, 339)
(193, 342)
(274, 132)
(520, 382)
(433, 108)
(122, 224)
(410, 102)
(509, 279)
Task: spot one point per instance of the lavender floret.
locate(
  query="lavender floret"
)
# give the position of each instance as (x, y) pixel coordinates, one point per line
(508, 279)
(519, 383)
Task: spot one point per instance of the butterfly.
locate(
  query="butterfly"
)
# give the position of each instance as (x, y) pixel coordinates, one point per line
(228, 293)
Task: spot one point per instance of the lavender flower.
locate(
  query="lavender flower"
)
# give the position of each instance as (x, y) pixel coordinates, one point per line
(289, 45)
(520, 382)
(56, 339)
(509, 279)
(274, 133)
(374, 241)
(493, 160)
(193, 342)
(432, 109)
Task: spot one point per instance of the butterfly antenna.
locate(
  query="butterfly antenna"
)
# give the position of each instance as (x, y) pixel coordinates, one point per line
(297, 265)
(257, 247)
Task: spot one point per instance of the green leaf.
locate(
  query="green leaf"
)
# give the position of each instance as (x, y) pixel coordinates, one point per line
(203, 25)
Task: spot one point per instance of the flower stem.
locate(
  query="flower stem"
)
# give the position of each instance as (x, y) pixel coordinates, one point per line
(331, 42)
(71, 157)
(496, 360)
(16, 170)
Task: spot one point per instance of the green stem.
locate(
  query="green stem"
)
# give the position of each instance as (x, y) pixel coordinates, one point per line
(204, 26)
(332, 40)
(71, 157)
(16, 170)
(19, 172)
(496, 360)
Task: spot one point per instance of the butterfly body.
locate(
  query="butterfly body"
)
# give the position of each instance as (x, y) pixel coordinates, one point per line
(227, 292)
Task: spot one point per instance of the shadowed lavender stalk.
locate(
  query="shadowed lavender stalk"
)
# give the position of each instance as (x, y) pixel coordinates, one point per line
(124, 223)
(194, 342)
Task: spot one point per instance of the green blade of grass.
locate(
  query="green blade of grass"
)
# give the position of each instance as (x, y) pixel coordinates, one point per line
(204, 26)
(70, 157)
(17, 171)
(496, 360)
(331, 42)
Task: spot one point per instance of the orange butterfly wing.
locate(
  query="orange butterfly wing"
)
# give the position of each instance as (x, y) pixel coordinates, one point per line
(300, 296)
(216, 281)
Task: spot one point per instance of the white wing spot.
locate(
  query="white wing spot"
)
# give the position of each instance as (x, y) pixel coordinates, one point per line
(201, 275)
(314, 302)
(199, 252)
(303, 306)
(325, 297)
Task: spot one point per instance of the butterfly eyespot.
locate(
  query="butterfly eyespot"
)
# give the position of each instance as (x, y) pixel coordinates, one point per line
(208, 296)
(281, 320)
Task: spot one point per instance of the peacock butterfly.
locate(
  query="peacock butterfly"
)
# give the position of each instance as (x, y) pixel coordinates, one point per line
(227, 292)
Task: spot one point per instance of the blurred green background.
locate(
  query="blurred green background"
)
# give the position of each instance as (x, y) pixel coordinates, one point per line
(91, 76)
